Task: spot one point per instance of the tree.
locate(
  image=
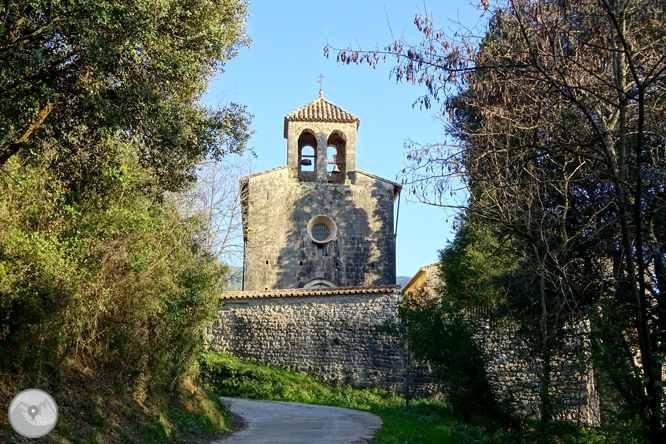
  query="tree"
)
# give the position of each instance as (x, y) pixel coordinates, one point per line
(216, 200)
(100, 126)
(437, 333)
(478, 266)
(558, 116)
(80, 72)
(107, 285)
(439, 326)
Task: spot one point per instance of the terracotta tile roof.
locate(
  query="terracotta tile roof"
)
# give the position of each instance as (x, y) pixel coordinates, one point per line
(321, 110)
(296, 292)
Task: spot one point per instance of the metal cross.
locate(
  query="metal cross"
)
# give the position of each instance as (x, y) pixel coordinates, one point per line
(321, 77)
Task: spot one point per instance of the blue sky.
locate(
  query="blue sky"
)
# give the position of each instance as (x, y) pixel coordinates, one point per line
(278, 74)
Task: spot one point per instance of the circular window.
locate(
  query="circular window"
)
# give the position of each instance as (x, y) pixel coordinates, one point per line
(320, 232)
(322, 229)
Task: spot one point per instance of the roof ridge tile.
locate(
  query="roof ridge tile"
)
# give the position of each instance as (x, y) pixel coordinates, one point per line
(322, 109)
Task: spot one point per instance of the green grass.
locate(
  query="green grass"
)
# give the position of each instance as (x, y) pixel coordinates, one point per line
(91, 412)
(229, 376)
(423, 421)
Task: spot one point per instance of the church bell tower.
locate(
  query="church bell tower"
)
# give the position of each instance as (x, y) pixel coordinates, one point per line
(318, 222)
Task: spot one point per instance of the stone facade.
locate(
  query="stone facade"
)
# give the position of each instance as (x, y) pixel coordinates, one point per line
(280, 251)
(281, 206)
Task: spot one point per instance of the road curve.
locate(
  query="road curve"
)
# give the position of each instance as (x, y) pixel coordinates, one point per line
(271, 422)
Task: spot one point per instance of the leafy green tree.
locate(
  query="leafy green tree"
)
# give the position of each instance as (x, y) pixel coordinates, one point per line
(439, 335)
(478, 266)
(101, 127)
(79, 72)
(439, 323)
(108, 284)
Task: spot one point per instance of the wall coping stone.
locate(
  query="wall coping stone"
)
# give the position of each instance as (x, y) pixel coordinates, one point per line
(299, 292)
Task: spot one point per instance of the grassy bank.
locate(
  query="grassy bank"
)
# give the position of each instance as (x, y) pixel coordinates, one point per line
(423, 421)
(91, 412)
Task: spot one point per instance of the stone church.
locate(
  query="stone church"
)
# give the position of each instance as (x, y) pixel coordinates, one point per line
(320, 267)
(318, 222)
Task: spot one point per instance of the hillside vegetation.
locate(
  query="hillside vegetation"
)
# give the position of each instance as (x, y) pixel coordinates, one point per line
(102, 299)
(103, 288)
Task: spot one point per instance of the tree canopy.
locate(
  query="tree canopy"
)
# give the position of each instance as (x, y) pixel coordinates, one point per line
(79, 72)
(103, 278)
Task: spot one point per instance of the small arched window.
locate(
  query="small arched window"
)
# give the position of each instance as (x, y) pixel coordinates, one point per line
(307, 155)
(337, 158)
(307, 158)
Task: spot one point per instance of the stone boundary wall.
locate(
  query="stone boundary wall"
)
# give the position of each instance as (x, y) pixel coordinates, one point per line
(339, 338)
(335, 338)
(514, 371)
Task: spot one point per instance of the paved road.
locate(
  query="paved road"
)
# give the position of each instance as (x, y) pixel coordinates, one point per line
(270, 422)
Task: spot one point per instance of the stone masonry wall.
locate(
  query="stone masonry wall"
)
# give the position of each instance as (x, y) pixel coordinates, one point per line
(336, 338)
(280, 253)
(514, 370)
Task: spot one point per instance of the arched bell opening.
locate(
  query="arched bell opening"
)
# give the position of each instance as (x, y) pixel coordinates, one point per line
(307, 155)
(331, 157)
(336, 155)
